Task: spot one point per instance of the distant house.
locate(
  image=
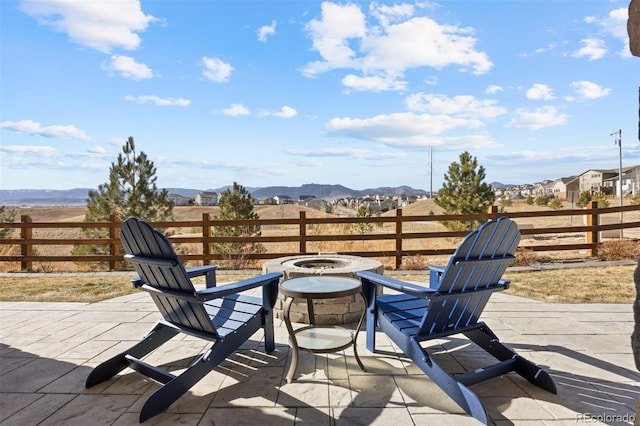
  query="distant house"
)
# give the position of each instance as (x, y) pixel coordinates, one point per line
(543, 189)
(597, 181)
(566, 189)
(305, 198)
(179, 200)
(282, 199)
(630, 181)
(318, 204)
(206, 198)
(268, 201)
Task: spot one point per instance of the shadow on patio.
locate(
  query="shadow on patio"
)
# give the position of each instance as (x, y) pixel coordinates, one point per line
(48, 349)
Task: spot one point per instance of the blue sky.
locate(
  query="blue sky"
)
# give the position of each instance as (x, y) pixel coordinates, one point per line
(292, 92)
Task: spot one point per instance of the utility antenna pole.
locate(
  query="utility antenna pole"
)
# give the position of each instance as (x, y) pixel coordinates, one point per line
(431, 172)
(618, 141)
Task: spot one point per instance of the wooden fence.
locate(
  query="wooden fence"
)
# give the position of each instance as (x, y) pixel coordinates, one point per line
(384, 237)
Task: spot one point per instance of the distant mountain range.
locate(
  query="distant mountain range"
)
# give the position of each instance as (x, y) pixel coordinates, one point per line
(79, 195)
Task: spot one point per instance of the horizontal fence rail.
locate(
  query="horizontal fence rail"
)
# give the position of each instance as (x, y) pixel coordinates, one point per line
(394, 237)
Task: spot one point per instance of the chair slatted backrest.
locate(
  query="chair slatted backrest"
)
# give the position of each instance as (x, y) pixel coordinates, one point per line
(159, 267)
(473, 273)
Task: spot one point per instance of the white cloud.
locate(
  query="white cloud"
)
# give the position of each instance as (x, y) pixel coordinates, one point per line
(96, 153)
(387, 15)
(127, 67)
(462, 105)
(158, 100)
(43, 151)
(493, 89)
(540, 92)
(537, 119)
(265, 31)
(31, 127)
(373, 83)
(315, 163)
(593, 49)
(384, 52)
(412, 130)
(216, 69)
(285, 112)
(615, 24)
(359, 154)
(588, 155)
(100, 25)
(540, 50)
(98, 150)
(589, 90)
(331, 36)
(236, 110)
(394, 126)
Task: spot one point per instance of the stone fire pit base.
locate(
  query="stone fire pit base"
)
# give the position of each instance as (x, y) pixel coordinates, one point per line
(327, 311)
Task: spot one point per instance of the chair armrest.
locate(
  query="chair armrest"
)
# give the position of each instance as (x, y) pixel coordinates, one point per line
(401, 286)
(208, 270)
(200, 270)
(237, 287)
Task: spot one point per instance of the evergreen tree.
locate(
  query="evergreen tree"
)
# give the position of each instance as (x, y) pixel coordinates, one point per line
(130, 191)
(6, 216)
(583, 199)
(237, 205)
(464, 192)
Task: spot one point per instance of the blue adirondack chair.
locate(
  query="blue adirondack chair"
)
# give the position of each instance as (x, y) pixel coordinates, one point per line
(220, 314)
(452, 304)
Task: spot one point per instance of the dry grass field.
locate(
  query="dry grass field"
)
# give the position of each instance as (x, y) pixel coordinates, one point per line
(604, 284)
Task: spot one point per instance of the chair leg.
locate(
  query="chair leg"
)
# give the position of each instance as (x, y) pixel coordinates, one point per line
(169, 393)
(269, 335)
(486, 339)
(159, 335)
(460, 393)
(372, 321)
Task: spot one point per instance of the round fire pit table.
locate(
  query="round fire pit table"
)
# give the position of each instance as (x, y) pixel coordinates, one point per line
(333, 311)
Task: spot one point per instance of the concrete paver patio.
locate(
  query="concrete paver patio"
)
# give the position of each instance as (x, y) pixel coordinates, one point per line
(48, 349)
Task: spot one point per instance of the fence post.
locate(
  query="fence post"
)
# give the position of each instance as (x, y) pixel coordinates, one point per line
(593, 222)
(26, 248)
(398, 238)
(206, 238)
(114, 242)
(493, 212)
(303, 232)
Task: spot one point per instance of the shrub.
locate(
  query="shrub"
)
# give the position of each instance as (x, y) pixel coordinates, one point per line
(583, 199)
(414, 263)
(555, 204)
(525, 257)
(602, 201)
(543, 201)
(619, 250)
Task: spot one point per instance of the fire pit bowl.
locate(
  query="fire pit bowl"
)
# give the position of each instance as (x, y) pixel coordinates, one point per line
(327, 311)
